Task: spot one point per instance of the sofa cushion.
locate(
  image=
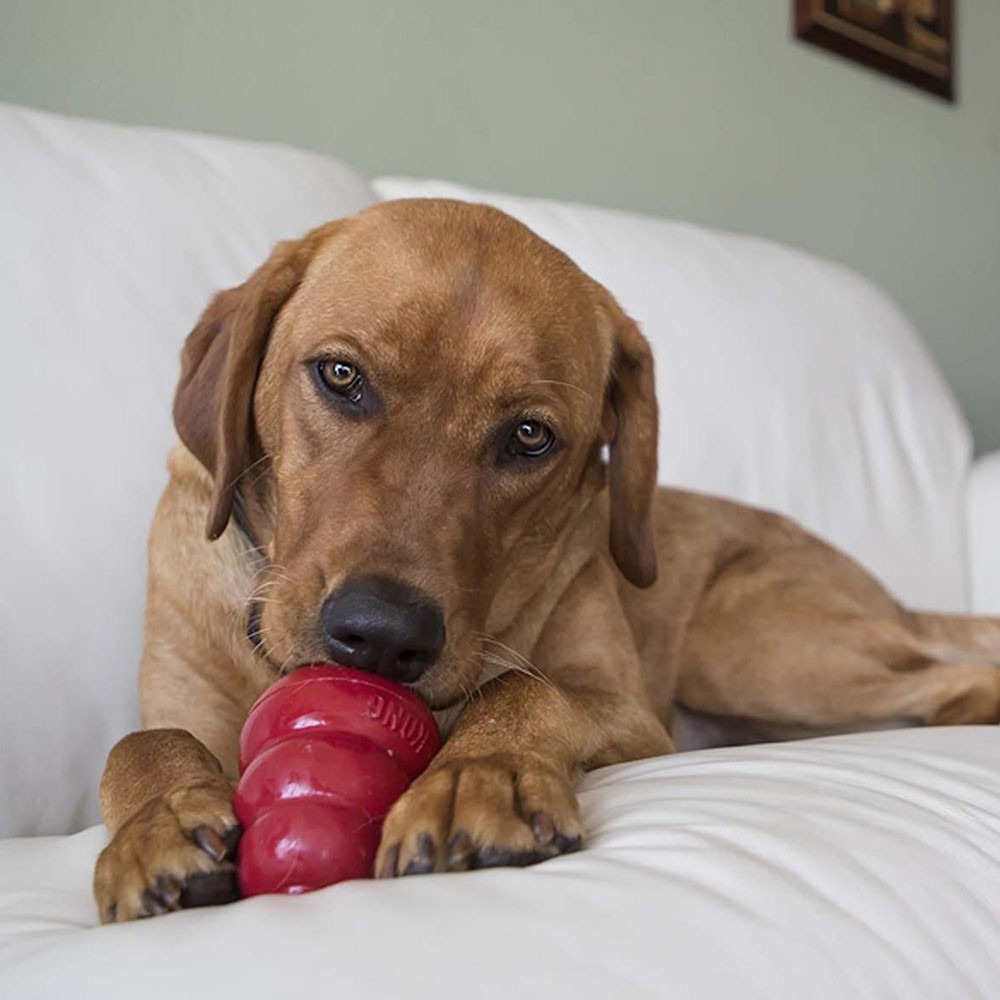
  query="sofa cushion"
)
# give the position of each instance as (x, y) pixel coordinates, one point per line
(785, 381)
(111, 241)
(984, 534)
(857, 866)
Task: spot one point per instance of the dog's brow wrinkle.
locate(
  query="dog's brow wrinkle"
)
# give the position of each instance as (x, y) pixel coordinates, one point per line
(467, 292)
(569, 385)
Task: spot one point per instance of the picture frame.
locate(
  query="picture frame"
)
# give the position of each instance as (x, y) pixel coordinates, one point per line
(911, 40)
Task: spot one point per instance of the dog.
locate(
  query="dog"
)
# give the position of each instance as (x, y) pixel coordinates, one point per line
(421, 442)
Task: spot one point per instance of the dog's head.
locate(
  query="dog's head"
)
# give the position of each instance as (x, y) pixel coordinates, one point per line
(411, 404)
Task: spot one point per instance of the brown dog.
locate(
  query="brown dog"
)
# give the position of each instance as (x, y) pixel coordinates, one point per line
(393, 431)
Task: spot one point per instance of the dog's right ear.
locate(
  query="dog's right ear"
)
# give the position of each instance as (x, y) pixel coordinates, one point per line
(632, 416)
(213, 405)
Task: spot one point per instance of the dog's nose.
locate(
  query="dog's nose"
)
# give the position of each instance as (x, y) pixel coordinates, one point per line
(384, 627)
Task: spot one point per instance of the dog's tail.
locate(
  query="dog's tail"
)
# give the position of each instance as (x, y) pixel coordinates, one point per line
(959, 637)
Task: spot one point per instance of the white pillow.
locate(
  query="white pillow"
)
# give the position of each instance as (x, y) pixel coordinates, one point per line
(856, 866)
(111, 241)
(984, 534)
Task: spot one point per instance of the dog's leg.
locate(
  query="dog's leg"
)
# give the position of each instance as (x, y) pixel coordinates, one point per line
(957, 694)
(501, 790)
(168, 807)
(959, 636)
(837, 688)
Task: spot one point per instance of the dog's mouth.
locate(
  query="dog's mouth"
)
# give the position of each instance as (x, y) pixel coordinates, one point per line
(438, 698)
(437, 687)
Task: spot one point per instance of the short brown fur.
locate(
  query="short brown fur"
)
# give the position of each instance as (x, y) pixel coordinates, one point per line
(595, 601)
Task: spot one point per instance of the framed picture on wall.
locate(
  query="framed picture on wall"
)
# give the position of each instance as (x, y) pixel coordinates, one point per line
(912, 40)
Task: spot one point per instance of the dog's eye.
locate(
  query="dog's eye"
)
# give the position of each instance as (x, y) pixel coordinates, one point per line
(530, 439)
(341, 377)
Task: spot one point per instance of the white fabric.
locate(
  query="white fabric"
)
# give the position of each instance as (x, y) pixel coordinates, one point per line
(111, 241)
(784, 381)
(984, 534)
(857, 866)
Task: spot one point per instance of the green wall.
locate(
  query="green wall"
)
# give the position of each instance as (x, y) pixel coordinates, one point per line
(703, 110)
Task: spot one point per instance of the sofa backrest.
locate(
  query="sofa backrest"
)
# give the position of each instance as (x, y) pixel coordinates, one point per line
(784, 381)
(112, 239)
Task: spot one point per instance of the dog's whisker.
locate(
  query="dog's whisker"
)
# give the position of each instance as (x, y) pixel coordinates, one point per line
(277, 573)
(250, 551)
(261, 600)
(259, 473)
(256, 465)
(268, 652)
(253, 465)
(467, 693)
(509, 649)
(502, 661)
(265, 584)
(517, 668)
(273, 578)
(522, 664)
(285, 662)
(258, 591)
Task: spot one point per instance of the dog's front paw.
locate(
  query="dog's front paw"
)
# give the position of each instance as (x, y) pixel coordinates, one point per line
(176, 852)
(480, 812)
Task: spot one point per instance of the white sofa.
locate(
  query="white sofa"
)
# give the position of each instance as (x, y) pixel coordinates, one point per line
(853, 866)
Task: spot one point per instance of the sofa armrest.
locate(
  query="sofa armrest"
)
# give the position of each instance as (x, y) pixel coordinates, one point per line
(984, 534)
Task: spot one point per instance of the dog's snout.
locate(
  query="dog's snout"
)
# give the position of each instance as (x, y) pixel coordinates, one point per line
(384, 627)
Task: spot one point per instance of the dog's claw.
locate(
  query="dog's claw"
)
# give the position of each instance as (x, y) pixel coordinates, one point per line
(543, 828)
(418, 867)
(390, 866)
(169, 889)
(460, 851)
(210, 842)
(423, 861)
(152, 905)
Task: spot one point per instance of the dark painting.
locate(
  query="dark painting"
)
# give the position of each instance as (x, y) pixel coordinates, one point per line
(912, 40)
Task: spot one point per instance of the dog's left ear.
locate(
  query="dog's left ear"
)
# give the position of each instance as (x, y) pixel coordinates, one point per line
(632, 415)
(213, 405)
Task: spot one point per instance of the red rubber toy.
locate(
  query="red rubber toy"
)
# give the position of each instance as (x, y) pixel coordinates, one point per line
(324, 754)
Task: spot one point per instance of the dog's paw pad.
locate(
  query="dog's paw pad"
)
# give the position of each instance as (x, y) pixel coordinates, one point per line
(210, 888)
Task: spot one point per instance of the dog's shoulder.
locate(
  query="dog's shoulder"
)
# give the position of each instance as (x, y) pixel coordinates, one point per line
(197, 590)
